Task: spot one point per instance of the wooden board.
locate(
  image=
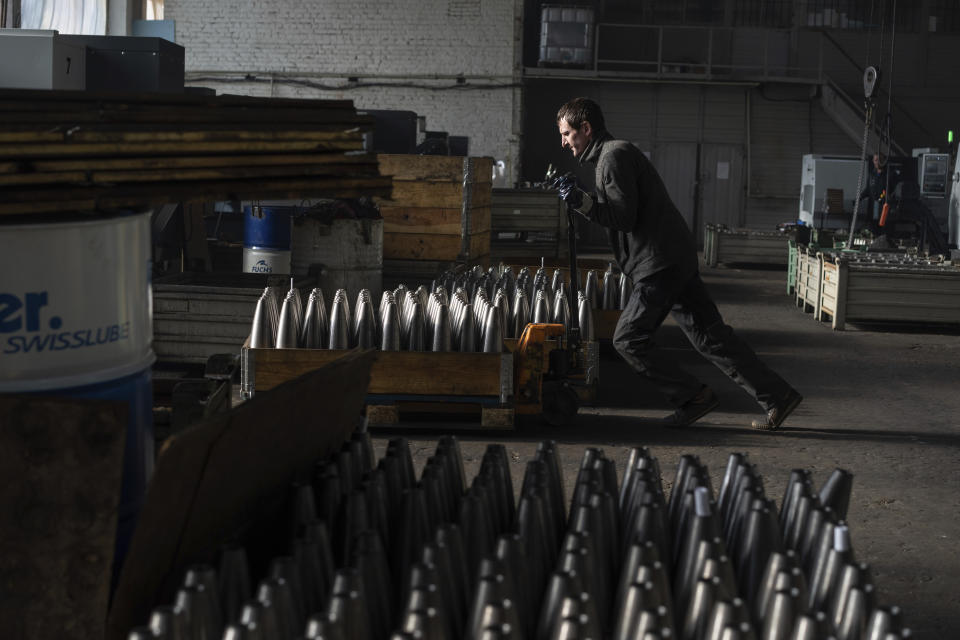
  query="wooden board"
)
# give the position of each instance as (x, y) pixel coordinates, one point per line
(61, 149)
(443, 195)
(38, 200)
(204, 489)
(60, 473)
(393, 372)
(112, 177)
(367, 162)
(434, 168)
(91, 136)
(412, 246)
(433, 220)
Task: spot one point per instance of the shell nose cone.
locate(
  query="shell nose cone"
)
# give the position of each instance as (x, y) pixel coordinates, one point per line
(316, 330)
(415, 339)
(261, 331)
(541, 309)
(610, 290)
(442, 340)
(468, 330)
(391, 328)
(585, 317)
(366, 329)
(288, 334)
(626, 288)
(339, 328)
(591, 289)
(492, 333)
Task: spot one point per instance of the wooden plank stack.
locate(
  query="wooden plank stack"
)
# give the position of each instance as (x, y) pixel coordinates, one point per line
(440, 210)
(77, 151)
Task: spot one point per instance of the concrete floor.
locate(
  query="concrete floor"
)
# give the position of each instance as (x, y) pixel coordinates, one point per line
(882, 404)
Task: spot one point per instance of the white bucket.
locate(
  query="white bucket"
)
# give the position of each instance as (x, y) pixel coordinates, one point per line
(259, 260)
(76, 321)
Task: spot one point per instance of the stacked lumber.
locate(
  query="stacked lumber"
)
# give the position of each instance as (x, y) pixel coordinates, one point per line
(77, 151)
(440, 210)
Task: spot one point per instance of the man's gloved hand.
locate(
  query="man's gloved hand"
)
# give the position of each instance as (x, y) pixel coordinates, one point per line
(571, 192)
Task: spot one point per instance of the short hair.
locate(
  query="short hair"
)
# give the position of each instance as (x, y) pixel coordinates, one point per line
(881, 158)
(580, 110)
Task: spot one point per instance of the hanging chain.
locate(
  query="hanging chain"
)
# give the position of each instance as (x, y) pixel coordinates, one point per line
(863, 162)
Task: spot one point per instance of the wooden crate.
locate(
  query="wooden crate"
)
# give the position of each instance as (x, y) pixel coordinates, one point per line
(791, 266)
(854, 290)
(440, 209)
(808, 281)
(404, 380)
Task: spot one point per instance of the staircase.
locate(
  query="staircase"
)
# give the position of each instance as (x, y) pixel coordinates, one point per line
(846, 113)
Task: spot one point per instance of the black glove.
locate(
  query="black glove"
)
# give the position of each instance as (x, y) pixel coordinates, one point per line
(571, 192)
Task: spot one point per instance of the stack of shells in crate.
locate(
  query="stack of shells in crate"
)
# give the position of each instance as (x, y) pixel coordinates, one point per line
(365, 551)
(404, 320)
(468, 311)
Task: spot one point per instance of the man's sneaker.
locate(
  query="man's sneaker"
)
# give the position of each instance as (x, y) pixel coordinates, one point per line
(692, 410)
(779, 413)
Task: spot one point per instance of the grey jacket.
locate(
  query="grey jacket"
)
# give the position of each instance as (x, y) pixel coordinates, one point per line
(646, 231)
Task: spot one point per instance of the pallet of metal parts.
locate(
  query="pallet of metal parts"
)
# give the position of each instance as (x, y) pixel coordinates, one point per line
(723, 245)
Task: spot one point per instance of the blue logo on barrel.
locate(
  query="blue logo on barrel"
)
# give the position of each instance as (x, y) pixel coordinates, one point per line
(21, 318)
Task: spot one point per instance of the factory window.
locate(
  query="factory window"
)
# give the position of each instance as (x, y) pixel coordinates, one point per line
(944, 16)
(153, 10)
(86, 17)
(662, 12)
(862, 15)
(763, 13)
(687, 11)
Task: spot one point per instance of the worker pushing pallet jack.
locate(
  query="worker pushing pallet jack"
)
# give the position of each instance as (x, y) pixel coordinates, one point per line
(654, 247)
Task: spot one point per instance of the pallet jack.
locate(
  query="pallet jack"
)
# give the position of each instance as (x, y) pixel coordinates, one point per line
(550, 376)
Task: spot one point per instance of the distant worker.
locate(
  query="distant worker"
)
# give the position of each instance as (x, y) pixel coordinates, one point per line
(875, 192)
(654, 247)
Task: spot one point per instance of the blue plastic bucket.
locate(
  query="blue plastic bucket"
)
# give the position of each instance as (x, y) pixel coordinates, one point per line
(266, 237)
(76, 321)
(267, 227)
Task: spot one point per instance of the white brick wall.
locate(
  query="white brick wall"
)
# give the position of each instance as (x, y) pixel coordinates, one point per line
(423, 43)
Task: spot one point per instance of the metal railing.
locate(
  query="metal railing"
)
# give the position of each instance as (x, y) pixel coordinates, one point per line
(697, 52)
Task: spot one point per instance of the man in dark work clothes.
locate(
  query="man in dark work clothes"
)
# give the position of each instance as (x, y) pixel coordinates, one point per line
(654, 247)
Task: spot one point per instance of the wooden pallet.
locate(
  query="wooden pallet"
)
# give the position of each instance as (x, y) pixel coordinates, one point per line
(403, 382)
(453, 413)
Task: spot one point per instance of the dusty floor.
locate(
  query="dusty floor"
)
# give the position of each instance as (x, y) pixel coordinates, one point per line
(882, 404)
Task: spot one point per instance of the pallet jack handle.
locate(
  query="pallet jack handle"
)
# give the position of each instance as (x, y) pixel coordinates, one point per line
(573, 333)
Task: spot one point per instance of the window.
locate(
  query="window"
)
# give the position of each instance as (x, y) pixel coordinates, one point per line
(85, 17)
(862, 15)
(153, 10)
(687, 11)
(777, 14)
(944, 16)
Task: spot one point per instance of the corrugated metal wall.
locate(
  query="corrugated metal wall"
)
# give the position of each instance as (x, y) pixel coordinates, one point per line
(668, 121)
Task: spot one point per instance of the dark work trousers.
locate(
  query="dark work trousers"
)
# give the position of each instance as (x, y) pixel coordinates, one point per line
(686, 298)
